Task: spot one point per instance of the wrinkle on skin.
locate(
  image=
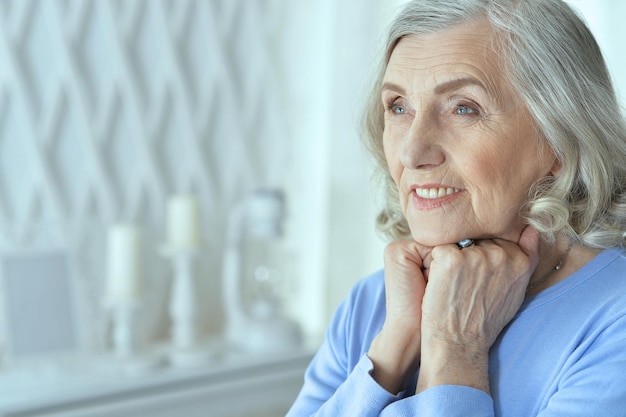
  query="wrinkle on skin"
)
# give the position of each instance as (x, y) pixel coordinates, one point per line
(492, 153)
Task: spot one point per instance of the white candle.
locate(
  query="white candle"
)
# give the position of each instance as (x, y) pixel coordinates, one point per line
(183, 221)
(124, 263)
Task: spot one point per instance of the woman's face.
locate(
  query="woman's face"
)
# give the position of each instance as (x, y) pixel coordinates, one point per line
(459, 144)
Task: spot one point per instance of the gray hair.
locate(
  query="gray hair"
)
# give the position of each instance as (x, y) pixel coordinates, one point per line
(556, 67)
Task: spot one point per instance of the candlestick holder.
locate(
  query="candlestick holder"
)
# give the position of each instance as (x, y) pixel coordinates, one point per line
(127, 355)
(185, 349)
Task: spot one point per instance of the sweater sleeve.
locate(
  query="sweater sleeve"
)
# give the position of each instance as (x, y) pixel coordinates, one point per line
(443, 401)
(338, 382)
(333, 384)
(358, 395)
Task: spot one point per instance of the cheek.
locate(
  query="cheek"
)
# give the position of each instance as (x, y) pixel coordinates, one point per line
(505, 182)
(492, 175)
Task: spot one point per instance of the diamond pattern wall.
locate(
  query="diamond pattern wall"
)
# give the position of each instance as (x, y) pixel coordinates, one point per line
(107, 107)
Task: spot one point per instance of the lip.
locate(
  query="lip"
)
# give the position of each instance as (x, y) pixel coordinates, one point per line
(420, 203)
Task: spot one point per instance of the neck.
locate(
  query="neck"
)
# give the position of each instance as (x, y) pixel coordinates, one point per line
(552, 267)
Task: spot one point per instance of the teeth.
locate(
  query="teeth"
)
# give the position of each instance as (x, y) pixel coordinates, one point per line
(435, 192)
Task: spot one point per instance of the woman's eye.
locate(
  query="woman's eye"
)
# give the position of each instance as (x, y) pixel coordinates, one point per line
(462, 109)
(397, 109)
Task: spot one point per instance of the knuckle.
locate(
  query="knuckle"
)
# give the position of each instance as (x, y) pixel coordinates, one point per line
(397, 251)
(500, 255)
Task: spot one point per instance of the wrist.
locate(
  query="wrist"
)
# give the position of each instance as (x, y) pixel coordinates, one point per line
(396, 358)
(451, 363)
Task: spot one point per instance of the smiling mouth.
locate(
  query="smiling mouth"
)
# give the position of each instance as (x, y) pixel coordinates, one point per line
(433, 193)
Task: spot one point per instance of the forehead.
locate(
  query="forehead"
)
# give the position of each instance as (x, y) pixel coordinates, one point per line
(463, 51)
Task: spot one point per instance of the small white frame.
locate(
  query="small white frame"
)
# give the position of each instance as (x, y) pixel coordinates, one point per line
(38, 309)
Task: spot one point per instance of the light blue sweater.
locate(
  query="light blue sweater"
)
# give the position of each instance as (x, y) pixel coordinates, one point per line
(564, 354)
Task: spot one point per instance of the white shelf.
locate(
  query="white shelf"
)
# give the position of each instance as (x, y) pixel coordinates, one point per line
(234, 385)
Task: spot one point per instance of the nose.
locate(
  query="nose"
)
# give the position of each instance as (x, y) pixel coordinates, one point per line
(421, 146)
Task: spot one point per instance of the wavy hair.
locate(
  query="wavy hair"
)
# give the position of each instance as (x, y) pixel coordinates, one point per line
(556, 67)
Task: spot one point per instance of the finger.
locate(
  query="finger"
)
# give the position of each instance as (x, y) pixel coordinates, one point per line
(451, 248)
(402, 259)
(529, 243)
(403, 252)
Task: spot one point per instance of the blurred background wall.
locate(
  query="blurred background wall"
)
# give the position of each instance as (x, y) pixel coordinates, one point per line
(109, 107)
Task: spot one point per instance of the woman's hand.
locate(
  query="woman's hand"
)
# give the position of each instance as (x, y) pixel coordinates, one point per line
(471, 296)
(395, 351)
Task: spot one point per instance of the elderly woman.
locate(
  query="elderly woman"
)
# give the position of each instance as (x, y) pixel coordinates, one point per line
(504, 292)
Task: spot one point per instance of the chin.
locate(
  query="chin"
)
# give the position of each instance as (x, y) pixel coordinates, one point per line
(435, 239)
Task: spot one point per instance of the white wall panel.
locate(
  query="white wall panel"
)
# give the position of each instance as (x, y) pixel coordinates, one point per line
(108, 107)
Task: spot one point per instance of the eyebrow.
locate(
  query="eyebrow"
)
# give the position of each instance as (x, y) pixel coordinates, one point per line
(439, 88)
(458, 83)
(387, 85)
